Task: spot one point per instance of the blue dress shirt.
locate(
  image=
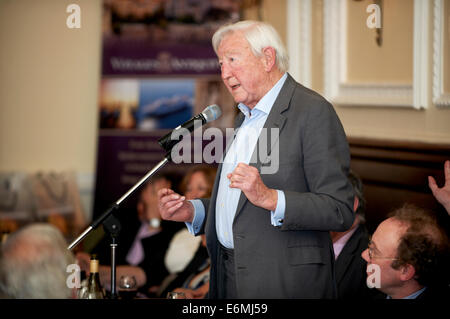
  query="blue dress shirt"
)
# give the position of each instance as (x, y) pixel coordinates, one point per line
(411, 296)
(240, 151)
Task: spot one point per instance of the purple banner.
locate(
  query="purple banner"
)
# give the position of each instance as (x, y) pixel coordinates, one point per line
(158, 70)
(134, 57)
(124, 157)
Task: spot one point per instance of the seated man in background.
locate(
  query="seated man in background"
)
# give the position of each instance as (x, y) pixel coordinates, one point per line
(143, 242)
(442, 194)
(408, 256)
(349, 266)
(33, 264)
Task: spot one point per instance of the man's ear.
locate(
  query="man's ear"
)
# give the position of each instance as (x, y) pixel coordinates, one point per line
(407, 272)
(269, 58)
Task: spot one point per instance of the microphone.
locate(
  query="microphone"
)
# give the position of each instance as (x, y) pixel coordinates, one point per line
(209, 114)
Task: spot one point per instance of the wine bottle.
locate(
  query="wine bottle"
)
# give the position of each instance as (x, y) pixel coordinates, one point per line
(94, 288)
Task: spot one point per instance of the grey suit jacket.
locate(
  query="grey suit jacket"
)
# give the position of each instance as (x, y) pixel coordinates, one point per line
(296, 259)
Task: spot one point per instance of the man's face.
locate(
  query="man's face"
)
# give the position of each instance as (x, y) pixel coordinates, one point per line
(243, 73)
(383, 249)
(197, 186)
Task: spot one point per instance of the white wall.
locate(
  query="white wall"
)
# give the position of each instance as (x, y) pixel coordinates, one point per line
(49, 77)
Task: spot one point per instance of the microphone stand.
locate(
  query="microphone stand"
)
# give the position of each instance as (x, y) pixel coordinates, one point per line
(112, 225)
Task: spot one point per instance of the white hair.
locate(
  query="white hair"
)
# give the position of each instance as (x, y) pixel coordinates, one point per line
(33, 264)
(259, 35)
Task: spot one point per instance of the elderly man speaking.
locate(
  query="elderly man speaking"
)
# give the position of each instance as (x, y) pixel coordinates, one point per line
(268, 233)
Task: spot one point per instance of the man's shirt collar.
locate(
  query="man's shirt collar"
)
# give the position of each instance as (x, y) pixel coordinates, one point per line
(265, 104)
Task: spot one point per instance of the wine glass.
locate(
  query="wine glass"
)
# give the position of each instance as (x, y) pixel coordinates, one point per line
(127, 287)
(176, 295)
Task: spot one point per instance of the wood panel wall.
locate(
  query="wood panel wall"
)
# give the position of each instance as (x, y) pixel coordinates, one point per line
(395, 172)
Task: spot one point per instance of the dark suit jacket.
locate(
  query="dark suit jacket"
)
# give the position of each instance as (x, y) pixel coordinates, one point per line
(435, 293)
(438, 294)
(295, 260)
(350, 267)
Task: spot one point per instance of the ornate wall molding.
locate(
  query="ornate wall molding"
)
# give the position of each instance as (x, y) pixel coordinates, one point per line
(440, 98)
(299, 42)
(340, 91)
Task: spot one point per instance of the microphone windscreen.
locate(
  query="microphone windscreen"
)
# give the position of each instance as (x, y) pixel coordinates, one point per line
(212, 113)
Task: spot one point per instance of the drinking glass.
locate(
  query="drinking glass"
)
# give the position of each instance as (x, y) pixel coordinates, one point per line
(127, 287)
(176, 295)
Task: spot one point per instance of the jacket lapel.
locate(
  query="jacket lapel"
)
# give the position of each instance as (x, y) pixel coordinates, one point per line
(348, 254)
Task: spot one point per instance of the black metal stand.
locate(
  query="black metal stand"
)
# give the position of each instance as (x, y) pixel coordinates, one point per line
(115, 206)
(112, 226)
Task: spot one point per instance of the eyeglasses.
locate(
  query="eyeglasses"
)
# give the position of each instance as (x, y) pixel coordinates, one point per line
(370, 251)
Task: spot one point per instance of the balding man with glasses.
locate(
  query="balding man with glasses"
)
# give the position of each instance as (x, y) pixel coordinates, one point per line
(408, 256)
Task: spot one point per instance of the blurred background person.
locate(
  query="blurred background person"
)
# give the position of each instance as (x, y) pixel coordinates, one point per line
(142, 242)
(411, 253)
(349, 266)
(193, 281)
(33, 264)
(187, 255)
